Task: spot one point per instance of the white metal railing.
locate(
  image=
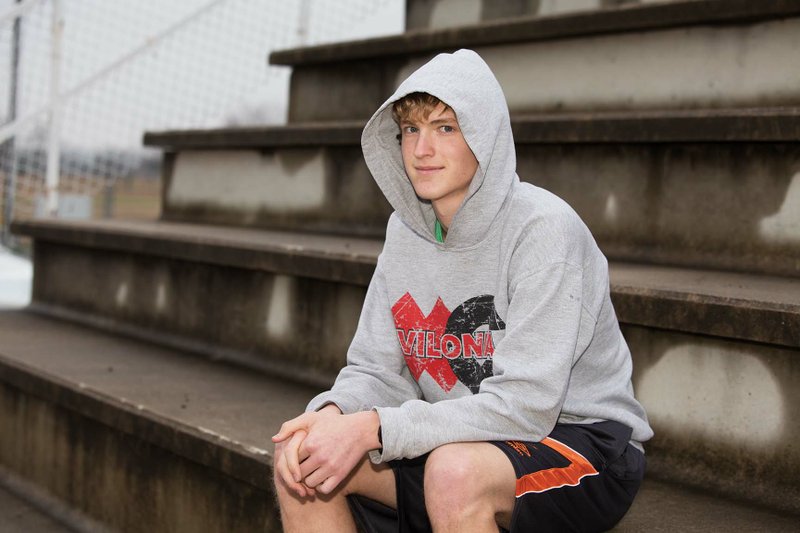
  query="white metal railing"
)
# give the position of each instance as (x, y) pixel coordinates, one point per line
(203, 64)
(18, 10)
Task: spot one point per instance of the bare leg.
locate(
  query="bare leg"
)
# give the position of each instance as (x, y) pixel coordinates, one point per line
(330, 513)
(469, 486)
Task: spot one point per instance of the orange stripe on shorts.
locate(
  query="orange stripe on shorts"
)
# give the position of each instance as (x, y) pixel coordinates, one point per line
(553, 478)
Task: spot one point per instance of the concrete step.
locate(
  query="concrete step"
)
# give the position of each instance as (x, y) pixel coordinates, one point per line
(139, 437)
(142, 438)
(26, 506)
(132, 255)
(716, 354)
(703, 188)
(430, 14)
(267, 299)
(727, 53)
(310, 177)
(18, 515)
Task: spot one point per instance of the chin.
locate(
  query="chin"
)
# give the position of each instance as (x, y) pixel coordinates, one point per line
(425, 193)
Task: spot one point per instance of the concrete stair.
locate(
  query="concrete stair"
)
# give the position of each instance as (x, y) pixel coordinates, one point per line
(734, 53)
(268, 238)
(19, 515)
(269, 300)
(650, 185)
(103, 419)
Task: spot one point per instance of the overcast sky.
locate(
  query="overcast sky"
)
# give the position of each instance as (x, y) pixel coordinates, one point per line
(211, 72)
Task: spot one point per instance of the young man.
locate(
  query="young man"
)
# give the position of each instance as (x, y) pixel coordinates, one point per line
(488, 380)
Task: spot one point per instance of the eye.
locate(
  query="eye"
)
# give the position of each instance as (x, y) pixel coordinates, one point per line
(446, 128)
(408, 130)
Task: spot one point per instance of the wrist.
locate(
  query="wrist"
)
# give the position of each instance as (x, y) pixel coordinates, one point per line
(370, 424)
(330, 407)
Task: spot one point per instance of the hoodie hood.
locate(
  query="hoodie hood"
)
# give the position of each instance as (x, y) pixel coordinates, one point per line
(463, 81)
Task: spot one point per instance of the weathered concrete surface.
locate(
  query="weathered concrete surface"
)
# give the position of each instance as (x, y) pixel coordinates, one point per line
(664, 508)
(762, 124)
(153, 440)
(141, 438)
(727, 206)
(308, 135)
(276, 322)
(724, 205)
(681, 14)
(722, 304)
(326, 257)
(718, 66)
(26, 506)
(161, 276)
(435, 14)
(724, 413)
(316, 189)
(17, 515)
(724, 388)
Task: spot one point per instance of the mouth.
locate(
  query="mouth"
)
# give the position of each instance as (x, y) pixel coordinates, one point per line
(427, 169)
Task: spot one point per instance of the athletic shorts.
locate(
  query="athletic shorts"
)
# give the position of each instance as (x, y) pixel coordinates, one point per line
(582, 477)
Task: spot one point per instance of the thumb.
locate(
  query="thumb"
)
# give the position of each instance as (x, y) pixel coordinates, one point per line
(289, 427)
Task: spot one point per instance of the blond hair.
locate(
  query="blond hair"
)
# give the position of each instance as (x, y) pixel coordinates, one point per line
(414, 107)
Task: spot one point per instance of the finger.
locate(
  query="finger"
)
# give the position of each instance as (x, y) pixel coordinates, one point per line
(309, 490)
(315, 479)
(289, 427)
(286, 478)
(309, 466)
(291, 453)
(329, 485)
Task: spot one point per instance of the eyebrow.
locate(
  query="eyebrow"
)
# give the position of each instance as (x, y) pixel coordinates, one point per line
(444, 120)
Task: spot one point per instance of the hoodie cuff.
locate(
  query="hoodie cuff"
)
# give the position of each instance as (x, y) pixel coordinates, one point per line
(394, 434)
(345, 404)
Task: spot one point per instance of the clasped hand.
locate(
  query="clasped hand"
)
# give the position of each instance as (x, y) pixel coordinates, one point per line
(316, 451)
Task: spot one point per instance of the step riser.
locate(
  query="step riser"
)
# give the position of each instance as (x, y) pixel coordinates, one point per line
(324, 189)
(723, 413)
(728, 206)
(120, 479)
(274, 322)
(720, 66)
(427, 14)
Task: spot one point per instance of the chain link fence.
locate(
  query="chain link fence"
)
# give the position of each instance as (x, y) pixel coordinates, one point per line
(130, 67)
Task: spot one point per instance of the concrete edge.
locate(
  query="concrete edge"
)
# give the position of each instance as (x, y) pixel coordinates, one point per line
(49, 505)
(301, 375)
(290, 135)
(733, 317)
(290, 260)
(728, 318)
(545, 28)
(247, 464)
(777, 124)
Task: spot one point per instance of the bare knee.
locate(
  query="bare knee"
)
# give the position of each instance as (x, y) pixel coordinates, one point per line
(366, 479)
(464, 484)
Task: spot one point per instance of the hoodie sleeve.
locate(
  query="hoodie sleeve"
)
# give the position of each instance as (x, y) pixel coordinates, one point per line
(376, 373)
(532, 366)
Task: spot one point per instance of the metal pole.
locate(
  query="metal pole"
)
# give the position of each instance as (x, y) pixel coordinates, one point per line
(9, 148)
(54, 140)
(8, 130)
(303, 21)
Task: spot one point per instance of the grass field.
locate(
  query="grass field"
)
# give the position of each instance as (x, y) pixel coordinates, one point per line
(136, 198)
(128, 198)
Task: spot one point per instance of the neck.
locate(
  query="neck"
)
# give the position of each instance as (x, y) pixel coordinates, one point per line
(444, 212)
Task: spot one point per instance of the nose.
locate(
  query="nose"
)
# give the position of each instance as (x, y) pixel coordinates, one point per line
(423, 146)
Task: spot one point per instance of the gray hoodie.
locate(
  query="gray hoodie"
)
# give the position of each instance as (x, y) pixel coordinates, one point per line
(504, 329)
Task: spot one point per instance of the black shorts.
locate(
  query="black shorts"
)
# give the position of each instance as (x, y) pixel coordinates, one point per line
(582, 477)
